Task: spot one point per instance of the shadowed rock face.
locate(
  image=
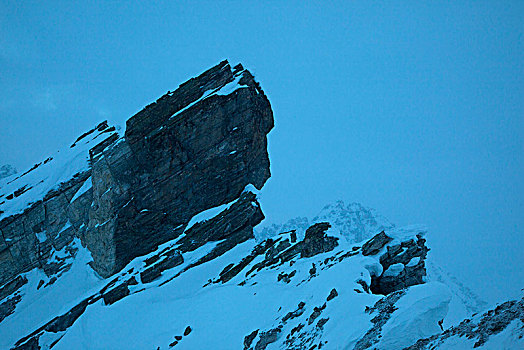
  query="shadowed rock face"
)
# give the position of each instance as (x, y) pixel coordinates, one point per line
(316, 240)
(193, 149)
(376, 243)
(408, 256)
(479, 330)
(48, 222)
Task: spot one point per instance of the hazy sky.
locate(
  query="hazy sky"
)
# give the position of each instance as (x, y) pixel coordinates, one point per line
(413, 108)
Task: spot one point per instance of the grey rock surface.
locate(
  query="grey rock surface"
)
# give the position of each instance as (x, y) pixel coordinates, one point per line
(408, 257)
(189, 151)
(28, 239)
(317, 241)
(376, 243)
(491, 323)
(193, 149)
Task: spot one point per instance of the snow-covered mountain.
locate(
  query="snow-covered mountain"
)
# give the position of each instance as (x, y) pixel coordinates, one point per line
(355, 221)
(150, 240)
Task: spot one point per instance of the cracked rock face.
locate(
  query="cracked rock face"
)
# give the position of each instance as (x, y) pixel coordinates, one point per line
(193, 149)
(403, 263)
(479, 330)
(46, 216)
(316, 240)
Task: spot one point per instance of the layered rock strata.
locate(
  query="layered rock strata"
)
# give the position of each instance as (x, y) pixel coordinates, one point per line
(193, 149)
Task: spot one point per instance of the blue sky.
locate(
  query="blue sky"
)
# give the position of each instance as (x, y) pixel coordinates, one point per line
(414, 108)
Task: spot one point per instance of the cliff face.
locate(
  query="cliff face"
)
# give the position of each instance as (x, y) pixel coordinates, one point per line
(41, 210)
(193, 149)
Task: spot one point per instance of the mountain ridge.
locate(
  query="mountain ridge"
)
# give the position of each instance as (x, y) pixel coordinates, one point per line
(148, 241)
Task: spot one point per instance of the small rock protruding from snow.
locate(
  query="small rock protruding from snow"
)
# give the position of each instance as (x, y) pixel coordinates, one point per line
(316, 240)
(332, 295)
(376, 243)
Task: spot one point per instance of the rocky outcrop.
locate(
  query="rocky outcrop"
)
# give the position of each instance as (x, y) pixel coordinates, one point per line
(479, 330)
(403, 263)
(193, 149)
(49, 222)
(316, 240)
(234, 224)
(375, 244)
(279, 251)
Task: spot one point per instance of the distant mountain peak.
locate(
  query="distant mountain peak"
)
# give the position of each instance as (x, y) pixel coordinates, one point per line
(353, 221)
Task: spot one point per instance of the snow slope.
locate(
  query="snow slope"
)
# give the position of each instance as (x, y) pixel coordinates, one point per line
(357, 223)
(18, 192)
(321, 300)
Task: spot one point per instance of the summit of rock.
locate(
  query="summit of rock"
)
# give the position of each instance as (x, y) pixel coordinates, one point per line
(193, 149)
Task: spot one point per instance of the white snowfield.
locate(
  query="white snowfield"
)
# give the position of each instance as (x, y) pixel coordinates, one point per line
(221, 315)
(417, 316)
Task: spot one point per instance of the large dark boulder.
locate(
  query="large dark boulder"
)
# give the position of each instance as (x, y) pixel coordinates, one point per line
(193, 149)
(403, 263)
(316, 240)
